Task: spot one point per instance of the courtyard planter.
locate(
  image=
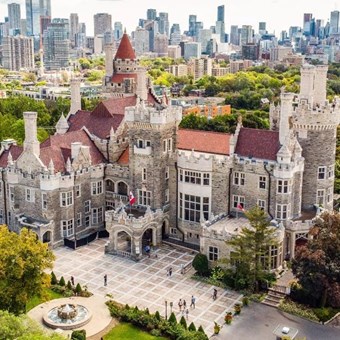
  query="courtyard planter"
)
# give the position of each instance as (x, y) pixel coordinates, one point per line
(237, 308)
(217, 328)
(228, 318)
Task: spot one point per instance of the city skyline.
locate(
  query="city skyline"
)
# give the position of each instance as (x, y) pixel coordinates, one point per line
(277, 14)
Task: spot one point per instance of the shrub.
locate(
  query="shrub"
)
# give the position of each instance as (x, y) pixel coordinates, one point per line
(157, 316)
(200, 329)
(201, 264)
(245, 301)
(299, 310)
(228, 318)
(79, 335)
(58, 289)
(69, 286)
(78, 289)
(156, 332)
(68, 293)
(62, 281)
(192, 327)
(172, 318)
(147, 311)
(325, 314)
(237, 308)
(217, 328)
(183, 322)
(54, 280)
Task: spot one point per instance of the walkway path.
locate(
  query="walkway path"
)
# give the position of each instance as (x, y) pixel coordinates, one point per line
(145, 283)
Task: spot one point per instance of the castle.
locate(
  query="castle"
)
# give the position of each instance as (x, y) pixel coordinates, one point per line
(188, 185)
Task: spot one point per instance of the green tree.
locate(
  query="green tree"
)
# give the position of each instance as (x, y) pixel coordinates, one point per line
(183, 322)
(317, 264)
(23, 261)
(172, 319)
(250, 249)
(22, 328)
(54, 280)
(200, 264)
(62, 281)
(192, 327)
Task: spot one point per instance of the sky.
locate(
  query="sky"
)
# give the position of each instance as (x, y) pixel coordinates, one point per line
(279, 14)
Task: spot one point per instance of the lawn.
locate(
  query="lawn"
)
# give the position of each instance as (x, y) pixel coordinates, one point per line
(126, 331)
(47, 295)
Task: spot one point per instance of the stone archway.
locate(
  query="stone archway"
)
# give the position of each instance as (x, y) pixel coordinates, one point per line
(165, 229)
(122, 188)
(47, 237)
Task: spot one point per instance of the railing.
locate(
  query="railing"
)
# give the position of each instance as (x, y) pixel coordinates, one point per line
(122, 253)
(186, 268)
(195, 247)
(281, 289)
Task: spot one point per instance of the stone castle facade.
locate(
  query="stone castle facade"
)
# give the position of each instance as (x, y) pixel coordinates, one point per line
(190, 186)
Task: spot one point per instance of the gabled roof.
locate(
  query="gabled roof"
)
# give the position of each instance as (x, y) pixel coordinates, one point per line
(204, 141)
(107, 114)
(125, 50)
(124, 157)
(118, 78)
(15, 152)
(261, 144)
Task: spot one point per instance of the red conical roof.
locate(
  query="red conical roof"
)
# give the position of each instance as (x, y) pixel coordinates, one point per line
(125, 50)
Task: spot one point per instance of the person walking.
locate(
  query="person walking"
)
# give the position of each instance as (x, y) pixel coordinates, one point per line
(170, 271)
(105, 280)
(187, 314)
(193, 302)
(184, 304)
(180, 304)
(72, 280)
(215, 294)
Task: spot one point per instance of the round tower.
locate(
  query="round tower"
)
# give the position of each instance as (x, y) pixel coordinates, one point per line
(315, 121)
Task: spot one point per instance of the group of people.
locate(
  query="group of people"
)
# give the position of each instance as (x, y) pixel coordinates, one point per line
(182, 305)
(169, 272)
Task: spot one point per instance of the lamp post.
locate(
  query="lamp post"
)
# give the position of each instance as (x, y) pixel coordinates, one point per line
(171, 305)
(166, 310)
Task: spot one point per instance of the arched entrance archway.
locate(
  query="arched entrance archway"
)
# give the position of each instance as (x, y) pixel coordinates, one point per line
(122, 188)
(123, 242)
(47, 237)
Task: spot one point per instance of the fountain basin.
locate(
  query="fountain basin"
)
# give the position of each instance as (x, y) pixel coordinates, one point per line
(67, 316)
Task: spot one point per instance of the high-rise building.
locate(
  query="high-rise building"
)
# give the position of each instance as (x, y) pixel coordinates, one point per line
(234, 36)
(74, 27)
(334, 22)
(262, 28)
(175, 29)
(35, 9)
(102, 23)
(14, 16)
(192, 25)
(56, 44)
(163, 23)
(18, 53)
(204, 37)
(246, 34)
(118, 30)
(192, 50)
(45, 8)
(220, 25)
(307, 18)
(151, 14)
(161, 45)
(141, 41)
(152, 28)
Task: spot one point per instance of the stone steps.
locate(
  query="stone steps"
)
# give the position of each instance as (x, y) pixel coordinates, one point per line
(273, 298)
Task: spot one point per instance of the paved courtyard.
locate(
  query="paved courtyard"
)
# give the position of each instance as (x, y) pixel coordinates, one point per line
(145, 283)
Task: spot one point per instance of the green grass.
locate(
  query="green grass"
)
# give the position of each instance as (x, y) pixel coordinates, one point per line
(126, 331)
(47, 295)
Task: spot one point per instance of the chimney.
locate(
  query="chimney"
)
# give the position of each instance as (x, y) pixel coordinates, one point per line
(285, 114)
(75, 97)
(108, 49)
(142, 87)
(31, 143)
(75, 147)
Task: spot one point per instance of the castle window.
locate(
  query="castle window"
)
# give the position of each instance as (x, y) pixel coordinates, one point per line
(140, 143)
(97, 188)
(320, 197)
(167, 172)
(213, 253)
(144, 174)
(181, 175)
(87, 221)
(29, 197)
(331, 171)
(239, 178)
(44, 201)
(192, 177)
(11, 194)
(164, 145)
(206, 179)
(66, 198)
(110, 205)
(110, 186)
(173, 231)
(97, 215)
(144, 197)
(78, 190)
(282, 211)
(78, 219)
(167, 196)
(1, 216)
(148, 143)
(262, 182)
(0, 189)
(282, 186)
(238, 202)
(193, 206)
(67, 228)
(322, 172)
(329, 195)
(170, 144)
(87, 207)
(261, 204)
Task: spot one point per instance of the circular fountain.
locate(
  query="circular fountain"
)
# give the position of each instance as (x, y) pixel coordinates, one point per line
(67, 316)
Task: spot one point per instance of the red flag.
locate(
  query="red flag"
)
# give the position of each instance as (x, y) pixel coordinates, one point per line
(132, 198)
(240, 207)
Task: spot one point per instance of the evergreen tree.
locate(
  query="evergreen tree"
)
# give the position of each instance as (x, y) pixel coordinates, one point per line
(54, 280)
(62, 281)
(183, 322)
(172, 319)
(192, 327)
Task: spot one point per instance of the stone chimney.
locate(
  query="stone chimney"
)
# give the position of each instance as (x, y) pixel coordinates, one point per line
(75, 96)
(320, 85)
(108, 49)
(142, 84)
(285, 114)
(31, 143)
(75, 147)
(307, 83)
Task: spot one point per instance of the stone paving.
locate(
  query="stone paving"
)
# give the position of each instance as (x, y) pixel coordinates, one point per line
(145, 283)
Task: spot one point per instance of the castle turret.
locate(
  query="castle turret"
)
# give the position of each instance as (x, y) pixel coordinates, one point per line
(285, 116)
(62, 125)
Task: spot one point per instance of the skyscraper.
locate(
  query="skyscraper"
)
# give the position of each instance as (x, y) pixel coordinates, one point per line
(262, 27)
(151, 14)
(102, 23)
(74, 27)
(246, 34)
(192, 25)
(14, 16)
(163, 23)
(234, 36)
(220, 25)
(307, 18)
(334, 22)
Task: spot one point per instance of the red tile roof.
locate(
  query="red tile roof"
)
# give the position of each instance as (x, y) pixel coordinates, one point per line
(203, 141)
(125, 50)
(262, 144)
(107, 114)
(118, 78)
(124, 157)
(15, 152)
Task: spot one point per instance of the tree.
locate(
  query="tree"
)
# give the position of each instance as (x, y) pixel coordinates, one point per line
(317, 264)
(192, 327)
(250, 250)
(172, 319)
(183, 322)
(201, 265)
(23, 261)
(54, 280)
(22, 328)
